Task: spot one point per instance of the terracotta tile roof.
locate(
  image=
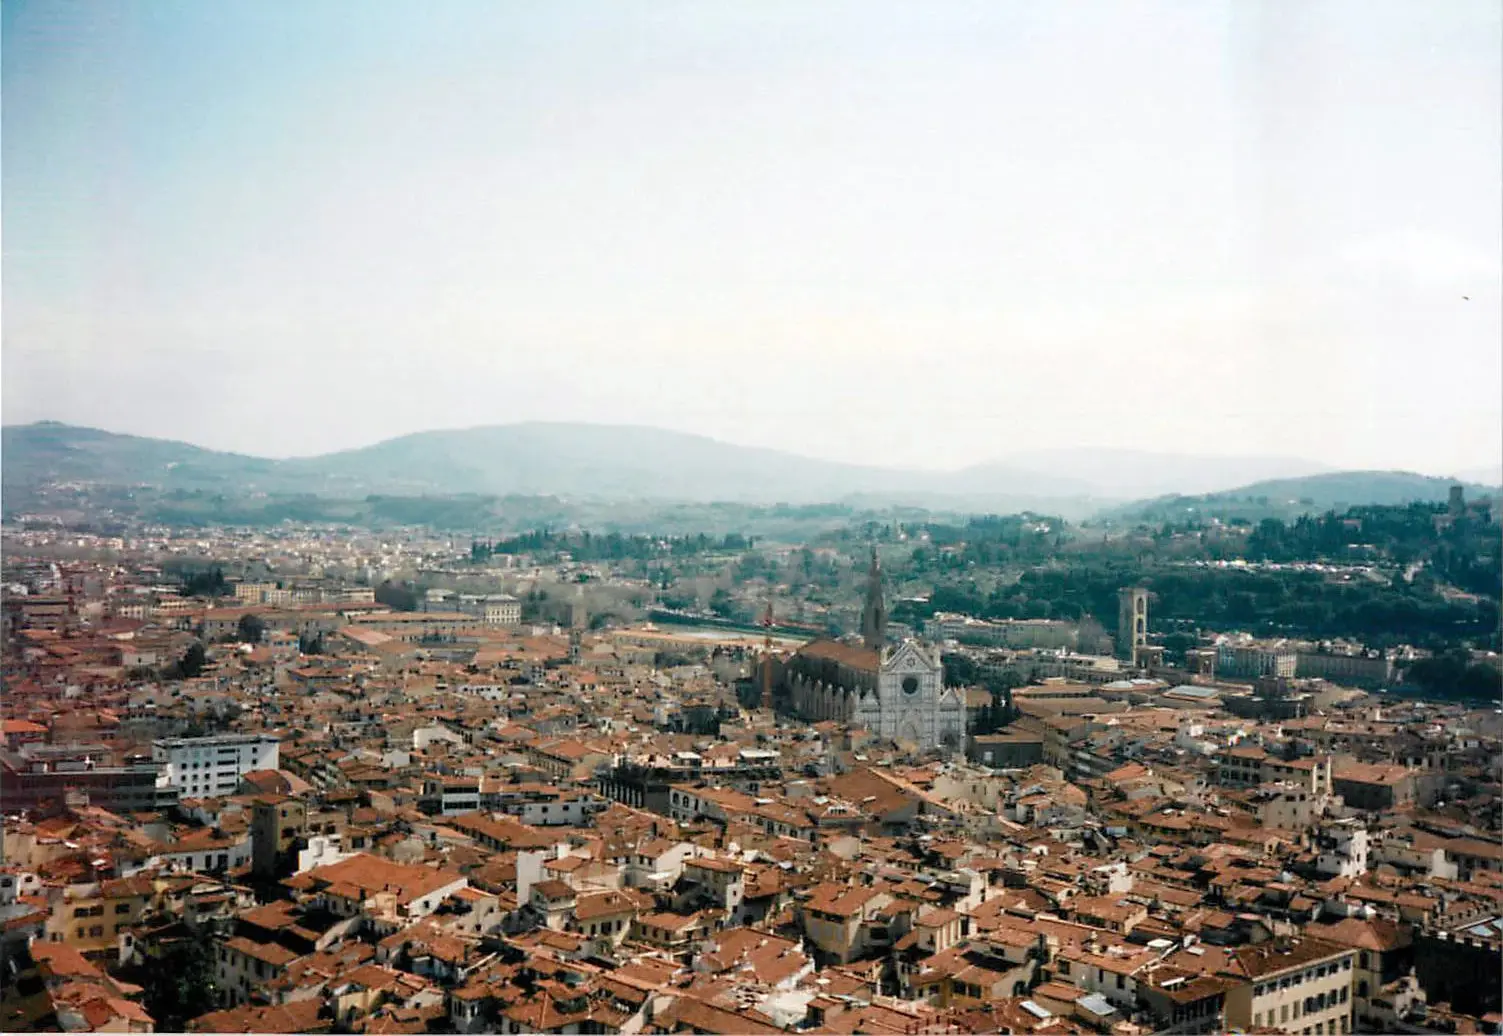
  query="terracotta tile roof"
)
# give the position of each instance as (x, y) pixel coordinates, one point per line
(853, 655)
(1376, 934)
(1272, 957)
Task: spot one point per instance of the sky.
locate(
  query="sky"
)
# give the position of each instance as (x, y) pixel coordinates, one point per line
(898, 233)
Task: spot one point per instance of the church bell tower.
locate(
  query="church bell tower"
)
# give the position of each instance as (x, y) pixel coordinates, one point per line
(874, 615)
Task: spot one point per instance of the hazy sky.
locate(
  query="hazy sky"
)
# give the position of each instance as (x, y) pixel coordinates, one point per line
(916, 233)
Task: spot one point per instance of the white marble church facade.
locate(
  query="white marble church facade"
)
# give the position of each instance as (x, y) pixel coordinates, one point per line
(894, 692)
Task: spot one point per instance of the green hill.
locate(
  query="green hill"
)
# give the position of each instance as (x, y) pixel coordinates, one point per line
(1290, 497)
(34, 454)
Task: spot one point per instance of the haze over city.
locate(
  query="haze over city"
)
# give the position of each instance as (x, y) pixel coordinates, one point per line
(910, 235)
(752, 518)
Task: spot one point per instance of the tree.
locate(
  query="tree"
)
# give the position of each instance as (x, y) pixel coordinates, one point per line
(192, 663)
(1092, 638)
(959, 670)
(209, 583)
(180, 986)
(720, 603)
(401, 597)
(1456, 676)
(251, 628)
(1002, 683)
(995, 714)
(672, 660)
(1176, 644)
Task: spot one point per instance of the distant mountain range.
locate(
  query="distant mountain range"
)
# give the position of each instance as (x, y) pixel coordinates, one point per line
(602, 462)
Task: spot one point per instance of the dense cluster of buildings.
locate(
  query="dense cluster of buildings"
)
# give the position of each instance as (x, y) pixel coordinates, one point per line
(449, 820)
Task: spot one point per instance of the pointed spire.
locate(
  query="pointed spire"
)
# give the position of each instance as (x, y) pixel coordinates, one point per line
(874, 616)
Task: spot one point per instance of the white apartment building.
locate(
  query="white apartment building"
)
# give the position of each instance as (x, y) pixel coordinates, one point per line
(205, 767)
(216, 856)
(451, 796)
(1343, 849)
(572, 810)
(1248, 659)
(502, 610)
(1288, 806)
(1013, 633)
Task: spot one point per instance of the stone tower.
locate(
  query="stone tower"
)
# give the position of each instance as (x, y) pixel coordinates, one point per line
(1456, 504)
(874, 615)
(1132, 622)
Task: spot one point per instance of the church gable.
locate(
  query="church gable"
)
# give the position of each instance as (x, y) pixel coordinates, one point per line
(909, 658)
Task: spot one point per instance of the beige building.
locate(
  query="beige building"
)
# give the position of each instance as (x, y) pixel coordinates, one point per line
(1302, 985)
(243, 966)
(836, 918)
(1247, 766)
(415, 626)
(278, 823)
(90, 916)
(1349, 670)
(1381, 987)
(253, 593)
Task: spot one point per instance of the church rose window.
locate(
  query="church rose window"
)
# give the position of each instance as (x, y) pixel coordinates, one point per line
(910, 684)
